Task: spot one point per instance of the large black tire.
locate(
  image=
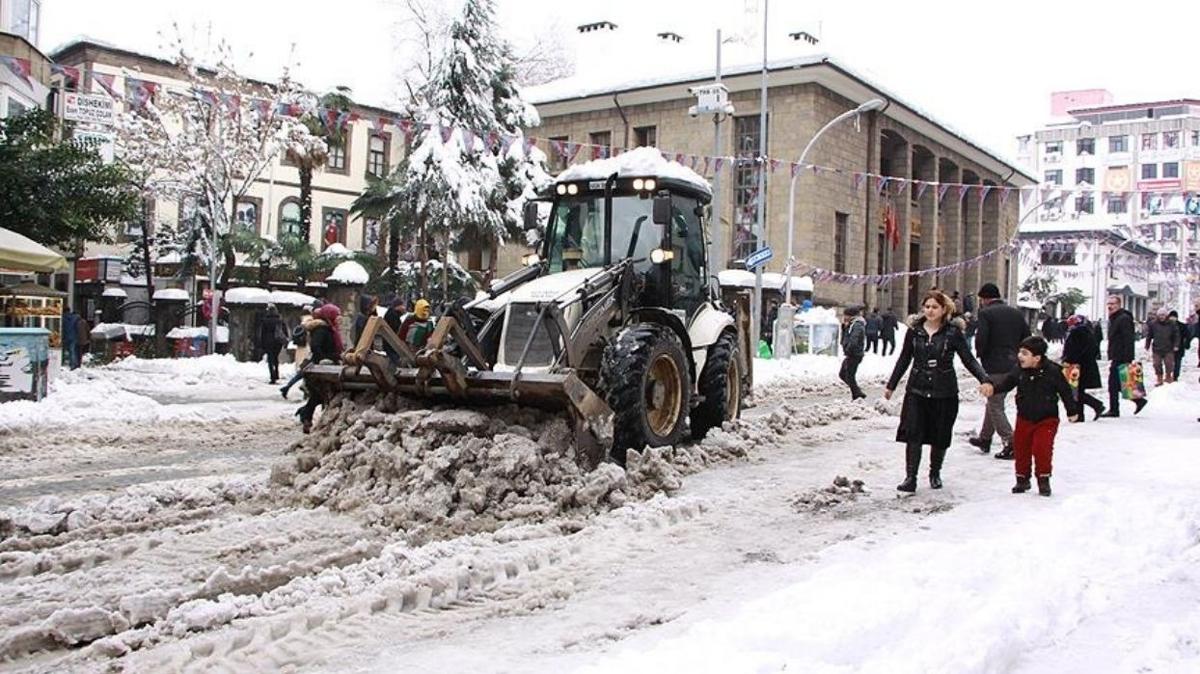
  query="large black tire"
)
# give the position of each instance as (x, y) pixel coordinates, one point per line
(644, 376)
(721, 385)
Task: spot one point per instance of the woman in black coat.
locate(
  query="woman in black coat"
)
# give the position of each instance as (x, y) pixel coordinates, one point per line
(323, 344)
(1082, 349)
(931, 397)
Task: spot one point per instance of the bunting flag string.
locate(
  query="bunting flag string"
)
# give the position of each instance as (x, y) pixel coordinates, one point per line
(107, 82)
(22, 68)
(69, 73)
(139, 92)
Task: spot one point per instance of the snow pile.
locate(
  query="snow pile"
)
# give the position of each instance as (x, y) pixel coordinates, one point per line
(55, 515)
(216, 368)
(337, 250)
(192, 333)
(842, 491)
(818, 316)
(349, 272)
(802, 370)
(642, 161)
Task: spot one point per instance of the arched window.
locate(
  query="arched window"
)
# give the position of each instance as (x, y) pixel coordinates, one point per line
(289, 217)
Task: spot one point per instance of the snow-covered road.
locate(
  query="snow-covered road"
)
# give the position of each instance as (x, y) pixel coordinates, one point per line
(756, 564)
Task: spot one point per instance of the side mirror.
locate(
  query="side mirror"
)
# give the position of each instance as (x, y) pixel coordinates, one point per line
(662, 209)
(531, 215)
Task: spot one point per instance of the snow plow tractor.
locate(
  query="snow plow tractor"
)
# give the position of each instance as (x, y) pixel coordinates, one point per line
(613, 320)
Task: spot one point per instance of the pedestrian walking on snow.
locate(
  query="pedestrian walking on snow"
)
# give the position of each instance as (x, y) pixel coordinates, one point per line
(931, 396)
(272, 337)
(1040, 385)
(1083, 351)
(1001, 329)
(1162, 341)
(300, 341)
(887, 331)
(1185, 341)
(1120, 352)
(874, 326)
(854, 344)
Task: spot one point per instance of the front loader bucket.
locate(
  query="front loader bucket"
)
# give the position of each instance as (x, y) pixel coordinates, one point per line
(591, 416)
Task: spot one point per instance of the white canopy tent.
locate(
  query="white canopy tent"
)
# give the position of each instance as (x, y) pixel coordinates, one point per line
(21, 253)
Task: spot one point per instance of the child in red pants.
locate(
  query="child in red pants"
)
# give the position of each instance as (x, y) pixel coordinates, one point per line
(1040, 384)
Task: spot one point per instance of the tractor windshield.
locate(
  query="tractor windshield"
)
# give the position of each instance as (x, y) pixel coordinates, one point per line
(576, 231)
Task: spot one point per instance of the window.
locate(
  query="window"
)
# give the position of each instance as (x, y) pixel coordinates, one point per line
(15, 107)
(337, 161)
(1058, 254)
(1054, 147)
(745, 185)
(1054, 177)
(1149, 141)
(1169, 260)
(1170, 139)
(26, 15)
(557, 161)
(377, 153)
(289, 217)
(371, 235)
(1118, 143)
(601, 142)
(1085, 204)
(1085, 146)
(248, 213)
(1149, 171)
(1085, 175)
(1116, 204)
(333, 227)
(841, 231)
(645, 136)
(1170, 169)
(1196, 139)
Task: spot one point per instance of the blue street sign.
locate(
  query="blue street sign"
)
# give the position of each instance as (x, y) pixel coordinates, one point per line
(759, 257)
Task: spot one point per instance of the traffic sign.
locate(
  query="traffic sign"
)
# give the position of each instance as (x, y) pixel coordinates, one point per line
(759, 257)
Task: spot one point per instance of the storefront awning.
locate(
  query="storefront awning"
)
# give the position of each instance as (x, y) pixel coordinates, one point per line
(21, 253)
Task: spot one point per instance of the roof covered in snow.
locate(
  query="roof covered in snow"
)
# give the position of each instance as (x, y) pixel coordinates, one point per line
(263, 296)
(349, 272)
(642, 161)
(172, 294)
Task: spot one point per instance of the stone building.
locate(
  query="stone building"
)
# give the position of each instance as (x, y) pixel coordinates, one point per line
(838, 227)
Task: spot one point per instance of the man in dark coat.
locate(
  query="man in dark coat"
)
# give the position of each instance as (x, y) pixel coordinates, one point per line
(1162, 341)
(272, 337)
(874, 326)
(854, 343)
(1120, 352)
(887, 331)
(1001, 329)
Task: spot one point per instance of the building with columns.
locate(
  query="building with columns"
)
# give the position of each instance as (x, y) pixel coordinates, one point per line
(839, 227)
(24, 69)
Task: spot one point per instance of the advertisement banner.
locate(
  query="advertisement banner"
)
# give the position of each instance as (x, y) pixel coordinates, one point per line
(90, 108)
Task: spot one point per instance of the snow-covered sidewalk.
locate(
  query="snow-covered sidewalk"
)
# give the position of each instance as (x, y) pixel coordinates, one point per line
(147, 392)
(1105, 572)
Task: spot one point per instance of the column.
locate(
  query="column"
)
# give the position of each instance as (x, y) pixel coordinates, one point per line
(949, 224)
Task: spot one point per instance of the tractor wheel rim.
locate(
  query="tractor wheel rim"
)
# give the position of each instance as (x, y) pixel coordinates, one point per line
(664, 396)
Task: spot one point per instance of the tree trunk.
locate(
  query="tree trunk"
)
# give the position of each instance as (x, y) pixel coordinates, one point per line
(446, 268)
(422, 281)
(230, 255)
(306, 173)
(146, 239)
(393, 252)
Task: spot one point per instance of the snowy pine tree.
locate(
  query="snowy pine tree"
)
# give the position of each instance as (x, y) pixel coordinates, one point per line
(469, 173)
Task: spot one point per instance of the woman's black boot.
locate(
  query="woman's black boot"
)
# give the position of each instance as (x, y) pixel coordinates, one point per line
(912, 463)
(936, 456)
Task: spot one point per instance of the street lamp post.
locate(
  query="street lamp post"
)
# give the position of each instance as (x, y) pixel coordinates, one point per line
(869, 106)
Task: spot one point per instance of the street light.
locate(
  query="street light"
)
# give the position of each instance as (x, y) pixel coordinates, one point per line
(870, 106)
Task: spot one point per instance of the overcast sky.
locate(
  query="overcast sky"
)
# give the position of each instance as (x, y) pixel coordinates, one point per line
(987, 69)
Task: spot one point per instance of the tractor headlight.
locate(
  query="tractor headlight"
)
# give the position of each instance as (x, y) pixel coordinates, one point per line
(638, 183)
(648, 185)
(659, 256)
(530, 259)
(572, 189)
(561, 189)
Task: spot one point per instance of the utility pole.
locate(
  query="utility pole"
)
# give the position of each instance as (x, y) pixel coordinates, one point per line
(716, 254)
(756, 299)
